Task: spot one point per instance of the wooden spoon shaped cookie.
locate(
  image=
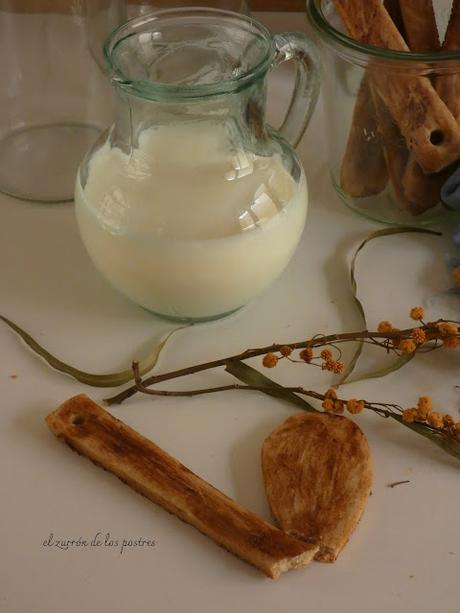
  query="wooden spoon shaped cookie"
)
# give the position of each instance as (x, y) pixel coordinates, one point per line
(318, 474)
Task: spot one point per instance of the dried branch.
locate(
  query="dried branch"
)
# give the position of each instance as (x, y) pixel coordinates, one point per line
(438, 428)
(375, 338)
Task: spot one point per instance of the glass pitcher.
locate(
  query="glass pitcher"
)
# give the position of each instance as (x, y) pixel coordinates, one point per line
(191, 204)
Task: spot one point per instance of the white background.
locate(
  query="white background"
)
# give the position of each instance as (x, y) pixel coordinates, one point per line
(405, 554)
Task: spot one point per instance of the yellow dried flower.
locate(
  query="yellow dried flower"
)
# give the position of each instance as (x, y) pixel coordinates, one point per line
(417, 313)
(384, 326)
(424, 407)
(285, 351)
(339, 406)
(418, 335)
(447, 329)
(409, 415)
(333, 366)
(306, 354)
(328, 405)
(355, 406)
(270, 360)
(435, 420)
(451, 342)
(407, 346)
(328, 365)
(331, 393)
(339, 367)
(456, 431)
(448, 421)
(456, 276)
(326, 354)
(432, 332)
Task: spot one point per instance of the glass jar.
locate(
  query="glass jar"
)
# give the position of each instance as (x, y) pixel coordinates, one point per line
(191, 204)
(388, 121)
(56, 98)
(143, 7)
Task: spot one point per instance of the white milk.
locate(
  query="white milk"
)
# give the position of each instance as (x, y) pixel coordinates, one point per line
(187, 227)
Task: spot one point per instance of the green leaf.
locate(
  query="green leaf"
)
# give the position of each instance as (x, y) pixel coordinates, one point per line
(107, 380)
(251, 376)
(402, 360)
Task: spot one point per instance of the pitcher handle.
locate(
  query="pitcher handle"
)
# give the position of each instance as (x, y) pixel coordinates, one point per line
(296, 46)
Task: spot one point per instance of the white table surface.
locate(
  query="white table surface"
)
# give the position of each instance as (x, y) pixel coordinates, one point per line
(405, 554)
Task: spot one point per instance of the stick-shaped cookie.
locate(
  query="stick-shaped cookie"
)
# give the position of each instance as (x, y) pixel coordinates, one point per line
(363, 171)
(420, 25)
(426, 123)
(395, 150)
(422, 191)
(448, 85)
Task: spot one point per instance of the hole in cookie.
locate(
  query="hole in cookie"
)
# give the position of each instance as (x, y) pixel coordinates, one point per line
(436, 137)
(76, 420)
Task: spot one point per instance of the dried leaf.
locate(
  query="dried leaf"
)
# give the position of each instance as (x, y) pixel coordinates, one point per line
(251, 376)
(95, 380)
(447, 444)
(402, 360)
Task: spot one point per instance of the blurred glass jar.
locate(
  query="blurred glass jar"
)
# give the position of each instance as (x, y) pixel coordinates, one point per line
(56, 98)
(374, 168)
(145, 6)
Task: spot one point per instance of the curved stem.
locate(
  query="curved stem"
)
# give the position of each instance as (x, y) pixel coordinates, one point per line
(140, 387)
(316, 341)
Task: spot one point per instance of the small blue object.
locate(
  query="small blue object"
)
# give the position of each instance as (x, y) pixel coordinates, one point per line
(452, 262)
(456, 236)
(450, 191)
